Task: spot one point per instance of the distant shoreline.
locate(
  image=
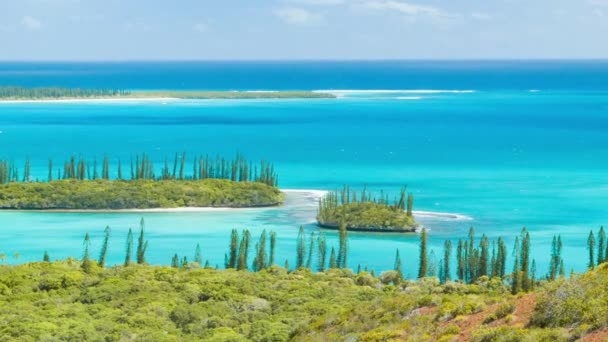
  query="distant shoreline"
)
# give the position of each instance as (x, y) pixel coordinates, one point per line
(175, 95)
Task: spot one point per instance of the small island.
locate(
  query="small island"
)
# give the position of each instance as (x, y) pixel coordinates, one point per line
(78, 185)
(365, 213)
(8, 93)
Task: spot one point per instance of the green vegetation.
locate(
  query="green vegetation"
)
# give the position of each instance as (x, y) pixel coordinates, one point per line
(57, 93)
(136, 194)
(21, 93)
(580, 301)
(365, 213)
(82, 300)
(60, 301)
(79, 185)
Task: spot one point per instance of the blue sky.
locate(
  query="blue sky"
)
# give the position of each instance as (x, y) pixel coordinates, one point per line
(302, 29)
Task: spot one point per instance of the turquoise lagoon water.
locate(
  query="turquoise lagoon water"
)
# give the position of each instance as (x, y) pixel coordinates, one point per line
(509, 145)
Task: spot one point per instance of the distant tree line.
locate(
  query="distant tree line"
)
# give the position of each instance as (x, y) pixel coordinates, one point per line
(57, 92)
(237, 169)
(474, 259)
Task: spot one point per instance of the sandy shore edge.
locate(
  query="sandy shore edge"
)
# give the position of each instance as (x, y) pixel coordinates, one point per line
(311, 194)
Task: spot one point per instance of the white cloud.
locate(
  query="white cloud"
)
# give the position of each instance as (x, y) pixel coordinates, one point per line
(297, 16)
(200, 27)
(405, 8)
(318, 2)
(598, 2)
(481, 16)
(31, 23)
(138, 25)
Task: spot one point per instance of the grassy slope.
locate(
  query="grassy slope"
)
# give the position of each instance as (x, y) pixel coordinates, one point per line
(102, 194)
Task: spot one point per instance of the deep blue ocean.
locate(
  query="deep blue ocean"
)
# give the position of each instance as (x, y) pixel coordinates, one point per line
(503, 144)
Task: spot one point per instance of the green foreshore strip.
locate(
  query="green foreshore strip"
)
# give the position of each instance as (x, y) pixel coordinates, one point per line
(52, 93)
(137, 194)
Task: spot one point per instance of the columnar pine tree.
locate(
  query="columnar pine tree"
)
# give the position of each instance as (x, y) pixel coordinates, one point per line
(516, 281)
(46, 257)
(50, 176)
(447, 256)
(301, 249)
(247, 237)
(104, 247)
(198, 258)
(398, 266)
(119, 170)
(441, 274)
(26, 171)
(322, 242)
(175, 261)
(273, 243)
(591, 247)
(129, 247)
(484, 246)
(432, 265)
(234, 248)
(423, 255)
(410, 204)
(261, 256)
(493, 265)
(142, 244)
(86, 261)
(181, 168)
(601, 246)
(556, 258)
(105, 173)
(343, 247)
(311, 246)
(471, 257)
(460, 261)
(333, 262)
(501, 258)
(242, 258)
(525, 259)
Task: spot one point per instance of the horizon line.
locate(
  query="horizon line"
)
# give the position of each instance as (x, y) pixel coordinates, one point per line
(279, 60)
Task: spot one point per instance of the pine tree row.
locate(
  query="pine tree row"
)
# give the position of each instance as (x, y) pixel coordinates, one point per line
(474, 259)
(237, 169)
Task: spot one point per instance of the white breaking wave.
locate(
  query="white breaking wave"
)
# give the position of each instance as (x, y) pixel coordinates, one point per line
(395, 91)
(409, 98)
(433, 214)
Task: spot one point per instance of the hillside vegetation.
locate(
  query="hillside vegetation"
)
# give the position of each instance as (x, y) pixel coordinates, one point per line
(58, 301)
